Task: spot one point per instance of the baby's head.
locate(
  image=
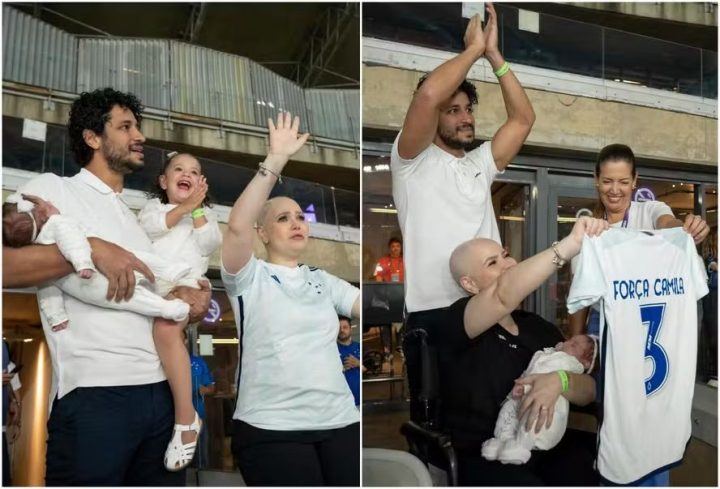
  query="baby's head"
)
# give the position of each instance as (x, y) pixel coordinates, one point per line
(21, 227)
(180, 176)
(583, 347)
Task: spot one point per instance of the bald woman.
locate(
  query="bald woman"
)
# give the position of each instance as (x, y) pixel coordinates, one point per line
(487, 345)
(295, 420)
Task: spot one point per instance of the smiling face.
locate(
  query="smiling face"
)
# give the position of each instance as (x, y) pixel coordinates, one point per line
(122, 142)
(478, 263)
(181, 176)
(615, 183)
(283, 228)
(456, 125)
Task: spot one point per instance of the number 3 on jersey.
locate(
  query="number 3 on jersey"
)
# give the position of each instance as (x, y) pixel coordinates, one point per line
(652, 316)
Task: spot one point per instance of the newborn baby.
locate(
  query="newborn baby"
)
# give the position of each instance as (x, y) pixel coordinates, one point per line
(28, 219)
(512, 443)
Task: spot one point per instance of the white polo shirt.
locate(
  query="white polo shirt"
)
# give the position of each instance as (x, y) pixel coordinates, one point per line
(291, 375)
(100, 347)
(442, 201)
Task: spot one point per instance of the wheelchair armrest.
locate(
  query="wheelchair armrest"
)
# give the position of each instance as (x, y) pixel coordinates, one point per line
(432, 447)
(416, 431)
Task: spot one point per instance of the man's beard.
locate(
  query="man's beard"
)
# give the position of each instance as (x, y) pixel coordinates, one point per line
(121, 163)
(451, 140)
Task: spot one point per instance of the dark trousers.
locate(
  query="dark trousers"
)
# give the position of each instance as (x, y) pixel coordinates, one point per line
(570, 463)
(432, 322)
(708, 336)
(111, 436)
(6, 478)
(297, 458)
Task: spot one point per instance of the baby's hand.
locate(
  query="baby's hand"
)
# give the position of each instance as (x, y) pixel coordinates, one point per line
(517, 391)
(86, 273)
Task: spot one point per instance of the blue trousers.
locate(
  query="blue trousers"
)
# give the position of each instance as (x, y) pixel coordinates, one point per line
(111, 436)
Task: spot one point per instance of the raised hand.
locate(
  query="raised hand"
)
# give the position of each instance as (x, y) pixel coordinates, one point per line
(196, 198)
(491, 31)
(474, 37)
(284, 139)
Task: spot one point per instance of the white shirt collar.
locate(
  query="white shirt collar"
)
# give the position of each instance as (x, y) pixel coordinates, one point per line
(90, 179)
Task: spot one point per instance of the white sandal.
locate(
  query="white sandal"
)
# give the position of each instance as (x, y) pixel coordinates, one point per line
(177, 455)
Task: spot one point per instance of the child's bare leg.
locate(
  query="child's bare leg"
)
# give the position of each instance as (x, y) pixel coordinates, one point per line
(176, 363)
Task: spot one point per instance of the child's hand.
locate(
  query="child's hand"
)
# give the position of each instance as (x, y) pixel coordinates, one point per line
(196, 198)
(85, 273)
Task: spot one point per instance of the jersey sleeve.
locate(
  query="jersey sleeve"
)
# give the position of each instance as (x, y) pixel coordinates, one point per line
(588, 284)
(237, 283)
(343, 294)
(152, 219)
(208, 237)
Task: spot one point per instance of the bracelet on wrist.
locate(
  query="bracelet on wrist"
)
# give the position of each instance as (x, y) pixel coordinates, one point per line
(197, 213)
(264, 171)
(558, 260)
(502, 70)
(564, 380)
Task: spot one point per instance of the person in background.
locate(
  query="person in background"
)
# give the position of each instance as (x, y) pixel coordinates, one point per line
(390, 267)
(350, 356)
(710, 322)
(11, 409)
(203, 384)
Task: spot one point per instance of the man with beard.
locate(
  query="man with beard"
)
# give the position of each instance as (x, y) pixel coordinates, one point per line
(112, 412)
(442, 193)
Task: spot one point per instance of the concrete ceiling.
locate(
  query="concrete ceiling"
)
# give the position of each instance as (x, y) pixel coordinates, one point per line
(273, 34)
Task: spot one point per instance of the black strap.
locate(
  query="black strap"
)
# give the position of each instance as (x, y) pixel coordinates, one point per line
(241, 312)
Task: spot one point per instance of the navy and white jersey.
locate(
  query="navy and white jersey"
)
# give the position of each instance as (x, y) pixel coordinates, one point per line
(649, 283)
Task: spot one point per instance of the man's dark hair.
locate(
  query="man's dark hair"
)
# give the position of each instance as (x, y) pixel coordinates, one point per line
(394, 240)
(91, 111)
(344, 318)
(466, 87)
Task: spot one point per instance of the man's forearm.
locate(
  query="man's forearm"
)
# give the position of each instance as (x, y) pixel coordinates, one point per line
(516, 101)
(446, 78)
(33, 265)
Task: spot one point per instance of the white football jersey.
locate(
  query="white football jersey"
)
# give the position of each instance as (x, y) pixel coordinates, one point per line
(649, 282)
